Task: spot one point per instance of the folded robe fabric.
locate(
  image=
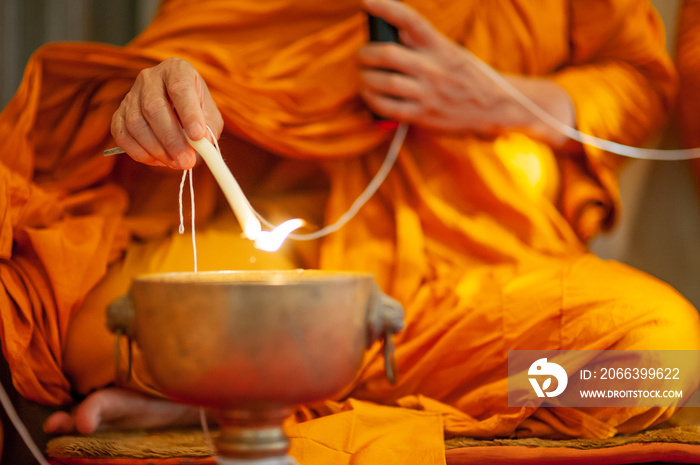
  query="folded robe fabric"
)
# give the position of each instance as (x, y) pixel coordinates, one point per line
(688, 64)
(483, 240)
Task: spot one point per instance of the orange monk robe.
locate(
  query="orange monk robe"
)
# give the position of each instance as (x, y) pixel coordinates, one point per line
(482, 240)
(688, 64)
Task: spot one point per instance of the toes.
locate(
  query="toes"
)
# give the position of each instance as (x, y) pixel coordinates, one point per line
(59, 423)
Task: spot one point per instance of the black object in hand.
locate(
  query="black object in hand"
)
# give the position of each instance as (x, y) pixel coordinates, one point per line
(381, 31)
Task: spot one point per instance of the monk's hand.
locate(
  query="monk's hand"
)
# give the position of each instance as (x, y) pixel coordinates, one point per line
(428, 80)
(433, 82)
(163, 100)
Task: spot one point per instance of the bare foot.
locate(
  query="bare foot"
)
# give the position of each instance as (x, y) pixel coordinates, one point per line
(115, 409)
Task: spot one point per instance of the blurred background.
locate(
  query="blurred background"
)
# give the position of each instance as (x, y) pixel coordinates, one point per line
(27, 24)
(658, 231)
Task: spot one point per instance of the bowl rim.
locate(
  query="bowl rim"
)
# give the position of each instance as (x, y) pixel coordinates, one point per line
(252, 277)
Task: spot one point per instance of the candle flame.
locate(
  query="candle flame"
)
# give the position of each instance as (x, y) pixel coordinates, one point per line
(271, 241)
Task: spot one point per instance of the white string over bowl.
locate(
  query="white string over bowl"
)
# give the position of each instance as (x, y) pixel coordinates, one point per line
(573, 133)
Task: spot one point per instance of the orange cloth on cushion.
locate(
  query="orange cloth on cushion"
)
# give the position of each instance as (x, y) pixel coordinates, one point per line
(480, 239)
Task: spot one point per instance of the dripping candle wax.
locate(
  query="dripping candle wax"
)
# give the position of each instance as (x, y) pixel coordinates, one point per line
(268, 241)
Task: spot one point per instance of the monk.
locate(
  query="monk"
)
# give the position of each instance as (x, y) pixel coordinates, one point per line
(480, 230)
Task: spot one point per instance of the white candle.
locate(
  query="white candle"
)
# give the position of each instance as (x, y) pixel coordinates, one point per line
(268, 241)
(232, 191)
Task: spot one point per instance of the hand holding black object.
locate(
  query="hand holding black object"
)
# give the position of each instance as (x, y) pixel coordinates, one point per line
(382, 31)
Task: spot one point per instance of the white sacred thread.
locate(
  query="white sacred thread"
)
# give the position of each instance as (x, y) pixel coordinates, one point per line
(181, 229)
(391, 156)
(194, 242)
(19, 426)
(205, 429)
(575, 134)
